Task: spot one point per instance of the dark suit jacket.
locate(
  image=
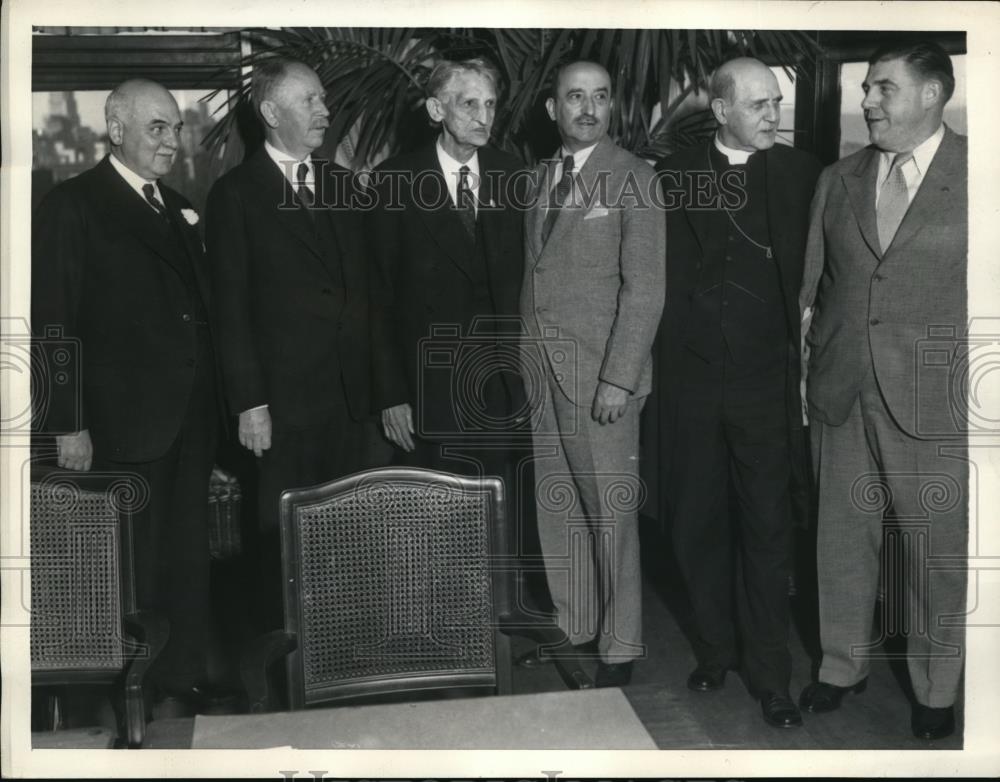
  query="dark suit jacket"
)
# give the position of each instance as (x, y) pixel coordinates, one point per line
(421, 276)
(284, 340)
(790, 179)
(117, 281)
(893, 306)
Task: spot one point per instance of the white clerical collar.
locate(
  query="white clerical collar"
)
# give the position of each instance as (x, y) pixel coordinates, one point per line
(736, 157)
(135, 181)
(289, 165)
(579, 157)
(923, 153)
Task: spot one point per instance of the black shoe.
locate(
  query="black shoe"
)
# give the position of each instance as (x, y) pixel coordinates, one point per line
(930, 723)
(544, 655)
(707, 677)
(780, 710)
(613, 674)
(820, 697)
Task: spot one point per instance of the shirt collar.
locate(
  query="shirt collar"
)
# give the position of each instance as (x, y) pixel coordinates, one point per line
(289, 165)
(134, 181)
(579, 157)
(736, 157)
(923, 153)
(451, 167)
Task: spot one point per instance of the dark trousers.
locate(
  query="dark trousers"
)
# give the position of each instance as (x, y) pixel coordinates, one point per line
(301, 457)
(732, 528)
(508, 454)
(170, 536)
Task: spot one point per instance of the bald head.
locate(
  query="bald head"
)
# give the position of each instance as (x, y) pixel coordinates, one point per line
(121, 102)
(144, 126)
(746, 103)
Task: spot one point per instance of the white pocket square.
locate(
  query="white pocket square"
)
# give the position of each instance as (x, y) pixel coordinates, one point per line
(597, 211)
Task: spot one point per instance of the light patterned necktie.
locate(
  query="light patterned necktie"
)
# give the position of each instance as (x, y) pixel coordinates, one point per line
(893, 201)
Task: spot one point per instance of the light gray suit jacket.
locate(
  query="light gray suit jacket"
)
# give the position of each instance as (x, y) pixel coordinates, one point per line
(593, 294)
(906, 308)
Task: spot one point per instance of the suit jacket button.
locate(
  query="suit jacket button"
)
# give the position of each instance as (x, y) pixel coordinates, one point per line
(874, 321)
(879, 278)
(186, 318)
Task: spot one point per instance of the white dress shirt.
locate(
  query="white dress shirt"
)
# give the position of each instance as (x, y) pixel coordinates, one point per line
(579, 158)
(136, 182)
(290, 167)
(451, 170)
(913, 169)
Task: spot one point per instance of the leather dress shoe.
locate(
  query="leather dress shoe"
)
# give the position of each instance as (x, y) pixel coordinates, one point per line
(707, 677)
(930, 723)
(820, 697)
(780, 710)
(613, 674)
(544, 655)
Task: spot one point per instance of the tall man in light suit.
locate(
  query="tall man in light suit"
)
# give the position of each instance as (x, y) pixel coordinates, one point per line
(291, 284)
(885, 268)
(117, 263)
(592, 297)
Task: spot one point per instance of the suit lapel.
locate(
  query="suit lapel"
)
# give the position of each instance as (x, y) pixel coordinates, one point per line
(274, 189)
(860, 186)
(435, 209)
(586, 180)
(489, 204)
(127, 211)
(536, 213)
(190, 240)
(941, 175)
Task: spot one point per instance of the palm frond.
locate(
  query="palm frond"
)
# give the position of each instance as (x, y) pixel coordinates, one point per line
(375, 77)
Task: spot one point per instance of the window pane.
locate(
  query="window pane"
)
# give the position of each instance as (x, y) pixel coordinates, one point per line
(854, 132)
(69, 136)
(786, 124)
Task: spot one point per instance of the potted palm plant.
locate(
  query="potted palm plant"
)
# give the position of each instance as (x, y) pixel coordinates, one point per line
(374, 79)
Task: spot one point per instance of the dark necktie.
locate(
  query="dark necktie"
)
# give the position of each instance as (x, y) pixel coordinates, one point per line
(893, 201)
(153, 201)
(304, 193)
(558, 197)
(466, 205)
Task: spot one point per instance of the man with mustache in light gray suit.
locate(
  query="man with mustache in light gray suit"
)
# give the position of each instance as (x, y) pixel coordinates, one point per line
(592, 298)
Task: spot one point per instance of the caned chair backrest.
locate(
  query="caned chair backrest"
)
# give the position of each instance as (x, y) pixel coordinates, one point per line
(391, 585)
(80, 581)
